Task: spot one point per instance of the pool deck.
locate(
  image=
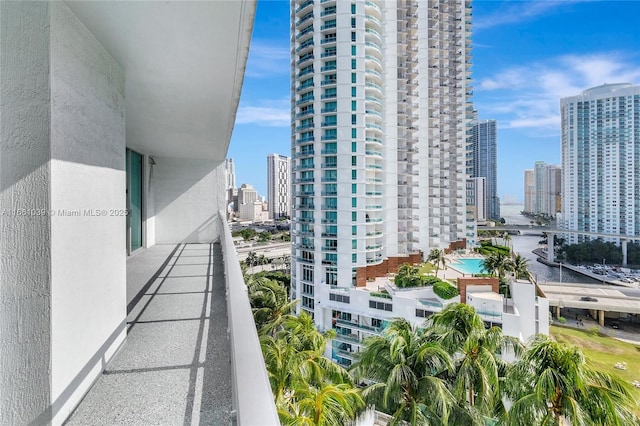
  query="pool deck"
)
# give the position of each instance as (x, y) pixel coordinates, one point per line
(452, 259)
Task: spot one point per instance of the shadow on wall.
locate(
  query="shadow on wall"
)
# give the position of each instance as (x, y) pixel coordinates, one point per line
(187, 195)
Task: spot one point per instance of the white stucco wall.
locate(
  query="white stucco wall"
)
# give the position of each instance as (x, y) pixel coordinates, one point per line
(88, 257)
(24, 192)
(187, 193)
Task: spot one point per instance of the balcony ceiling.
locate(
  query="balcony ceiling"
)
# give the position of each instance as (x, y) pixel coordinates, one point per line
(184, 63)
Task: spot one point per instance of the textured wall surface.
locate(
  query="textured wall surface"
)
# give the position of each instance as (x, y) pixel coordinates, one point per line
(88, 238)
(188, 194)
(24, 195)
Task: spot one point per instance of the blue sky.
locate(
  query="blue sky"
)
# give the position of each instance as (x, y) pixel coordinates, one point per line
(526, 56)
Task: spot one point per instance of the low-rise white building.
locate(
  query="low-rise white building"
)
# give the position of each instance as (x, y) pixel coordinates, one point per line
(359, 312)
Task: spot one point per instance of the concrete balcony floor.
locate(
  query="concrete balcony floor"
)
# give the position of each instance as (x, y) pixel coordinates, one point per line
(174, 368)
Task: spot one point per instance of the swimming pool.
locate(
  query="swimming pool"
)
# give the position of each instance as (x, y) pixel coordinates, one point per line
(468, 265)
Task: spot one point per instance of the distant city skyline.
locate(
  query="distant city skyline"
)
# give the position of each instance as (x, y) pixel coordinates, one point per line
(527, 55)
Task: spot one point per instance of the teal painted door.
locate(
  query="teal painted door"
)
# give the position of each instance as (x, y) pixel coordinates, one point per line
(134, 200)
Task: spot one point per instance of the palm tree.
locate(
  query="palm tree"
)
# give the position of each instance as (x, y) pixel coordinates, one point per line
(252, 259)
(437, 257)
(475, 381)
(407, 276)
(308, 388)
(499, 264)
(269, 302)
(405, 368)
(520, 267)
(507, 240)
(552, 384)
(326, 405)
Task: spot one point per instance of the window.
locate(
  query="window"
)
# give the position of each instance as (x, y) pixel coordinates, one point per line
(353, 36)
(331, 277)
(307, 289)
(353, 50)
(353, 8)
(328, 65)
(354, 187)
(354, 244)
(354, 174)
(421, 313)
(330, 133)
(354, 133)
(354, 230)
(354, 147)
(354, 161)
(330, 120)
(353, 77)
(354, 202)
(354, 105)
(353, 64)
(339, 298)
(330, 175)
(353, 22)
(354, 257)
(353, 91)
(330, 106)
(354, 216)
(331, 217)
(354, 119)
(380, 305)
(329, 93)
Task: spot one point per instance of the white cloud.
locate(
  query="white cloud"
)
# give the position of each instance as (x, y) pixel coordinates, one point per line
(530, 96)
(271, 113)
(267, 59)
(517, 12)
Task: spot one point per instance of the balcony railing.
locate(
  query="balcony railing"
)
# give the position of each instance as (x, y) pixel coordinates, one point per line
(252, 400)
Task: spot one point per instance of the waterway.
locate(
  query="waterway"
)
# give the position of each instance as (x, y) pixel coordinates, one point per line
(529, 240)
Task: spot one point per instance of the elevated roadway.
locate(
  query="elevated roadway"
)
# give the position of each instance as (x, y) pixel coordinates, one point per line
(598, 300)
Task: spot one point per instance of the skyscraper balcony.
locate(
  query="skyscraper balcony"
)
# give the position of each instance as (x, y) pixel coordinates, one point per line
(140, 316)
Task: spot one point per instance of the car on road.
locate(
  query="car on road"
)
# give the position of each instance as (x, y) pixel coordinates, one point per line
(588, 299)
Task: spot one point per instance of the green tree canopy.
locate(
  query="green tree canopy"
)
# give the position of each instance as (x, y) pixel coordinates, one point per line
(552, 384)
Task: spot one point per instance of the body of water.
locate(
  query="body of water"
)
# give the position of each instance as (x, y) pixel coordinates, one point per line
(529, 240)
(468, 266)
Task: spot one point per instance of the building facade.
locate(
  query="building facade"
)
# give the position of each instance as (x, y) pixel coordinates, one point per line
(358, 313)
(529, 190)
(279, 186)
(380, 112)
(476, 190)
(547, 188)
(230, 173)
(601, 160)
(484, 149)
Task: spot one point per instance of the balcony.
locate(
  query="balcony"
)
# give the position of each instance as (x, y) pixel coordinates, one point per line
(179, 365)
(304, 5)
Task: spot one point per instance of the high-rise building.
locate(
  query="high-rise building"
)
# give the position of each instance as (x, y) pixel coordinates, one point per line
(476, 197)
(542, 186)
(553, 191)
(601, 160)
(278, 186)
(484, 149)
(230, 173)
(380, 110)
(529, 190)
(247, 196)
